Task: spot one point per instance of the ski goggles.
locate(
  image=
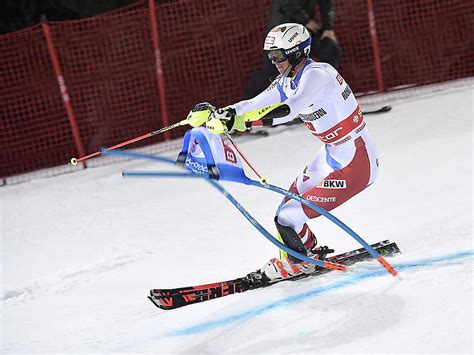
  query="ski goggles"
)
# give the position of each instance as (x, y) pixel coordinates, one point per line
(277, 55)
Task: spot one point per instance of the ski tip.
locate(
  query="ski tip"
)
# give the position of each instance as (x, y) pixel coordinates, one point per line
(386, 108)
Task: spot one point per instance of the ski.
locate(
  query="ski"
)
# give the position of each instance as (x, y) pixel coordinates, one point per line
(380, 110)
(182, 296)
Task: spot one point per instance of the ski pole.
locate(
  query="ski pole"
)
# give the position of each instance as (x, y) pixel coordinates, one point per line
(74, 161)
(263, 180)
(248, 216)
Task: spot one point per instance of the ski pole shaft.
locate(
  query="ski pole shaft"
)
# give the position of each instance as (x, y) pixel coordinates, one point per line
(74, 161)
(263, 180)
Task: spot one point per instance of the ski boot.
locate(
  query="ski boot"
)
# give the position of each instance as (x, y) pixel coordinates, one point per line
(290, 267)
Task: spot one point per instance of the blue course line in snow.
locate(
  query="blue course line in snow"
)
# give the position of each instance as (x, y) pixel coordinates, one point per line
(347, 281)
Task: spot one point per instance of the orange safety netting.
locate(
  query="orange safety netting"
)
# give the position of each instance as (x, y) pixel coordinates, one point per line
(208, 50)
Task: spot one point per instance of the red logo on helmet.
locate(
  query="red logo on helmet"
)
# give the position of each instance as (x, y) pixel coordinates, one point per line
(269, 40)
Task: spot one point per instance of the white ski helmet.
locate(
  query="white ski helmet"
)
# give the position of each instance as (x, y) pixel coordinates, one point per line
(290, 41)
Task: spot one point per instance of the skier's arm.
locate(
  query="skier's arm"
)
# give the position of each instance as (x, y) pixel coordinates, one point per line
(269, 96)
(315, 85)
(235, 116)
(218, 120)
(225, 119)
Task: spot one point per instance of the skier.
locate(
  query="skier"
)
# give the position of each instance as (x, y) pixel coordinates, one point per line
(344, 166)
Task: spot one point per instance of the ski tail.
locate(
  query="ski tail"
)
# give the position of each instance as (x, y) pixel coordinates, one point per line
(379, 110)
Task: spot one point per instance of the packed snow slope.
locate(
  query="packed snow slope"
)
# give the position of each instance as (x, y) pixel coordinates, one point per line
(80, 251)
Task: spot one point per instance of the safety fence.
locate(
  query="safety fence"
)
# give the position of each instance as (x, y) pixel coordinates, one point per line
(71, 87)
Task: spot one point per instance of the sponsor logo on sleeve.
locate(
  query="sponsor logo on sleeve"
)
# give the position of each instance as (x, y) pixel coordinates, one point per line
(313, 116)
(320, 199)
(339, 79)
(332, 184)
(347, 91)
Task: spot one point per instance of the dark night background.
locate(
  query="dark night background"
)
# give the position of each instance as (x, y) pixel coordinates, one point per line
(19, 14)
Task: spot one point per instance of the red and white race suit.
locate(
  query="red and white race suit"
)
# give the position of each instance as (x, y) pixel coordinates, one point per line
(348, 161)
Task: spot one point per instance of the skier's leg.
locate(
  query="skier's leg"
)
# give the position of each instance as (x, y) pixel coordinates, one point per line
(328, 192)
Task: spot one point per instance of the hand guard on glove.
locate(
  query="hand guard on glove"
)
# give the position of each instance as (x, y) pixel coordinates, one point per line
(200, 114)
(221, 120)
(217, 121)
(225, 119)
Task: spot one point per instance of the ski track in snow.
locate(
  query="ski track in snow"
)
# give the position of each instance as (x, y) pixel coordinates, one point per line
(363, 271)
(64, 280)
(358, 275)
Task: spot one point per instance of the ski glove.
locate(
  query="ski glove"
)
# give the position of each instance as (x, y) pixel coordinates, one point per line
(200, 114)
(225, 119)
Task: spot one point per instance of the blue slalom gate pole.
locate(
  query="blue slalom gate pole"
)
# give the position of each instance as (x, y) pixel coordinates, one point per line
(247, 215)
(262, 230)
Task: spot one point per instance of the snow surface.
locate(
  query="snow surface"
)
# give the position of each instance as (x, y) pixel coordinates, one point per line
(80, 251)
